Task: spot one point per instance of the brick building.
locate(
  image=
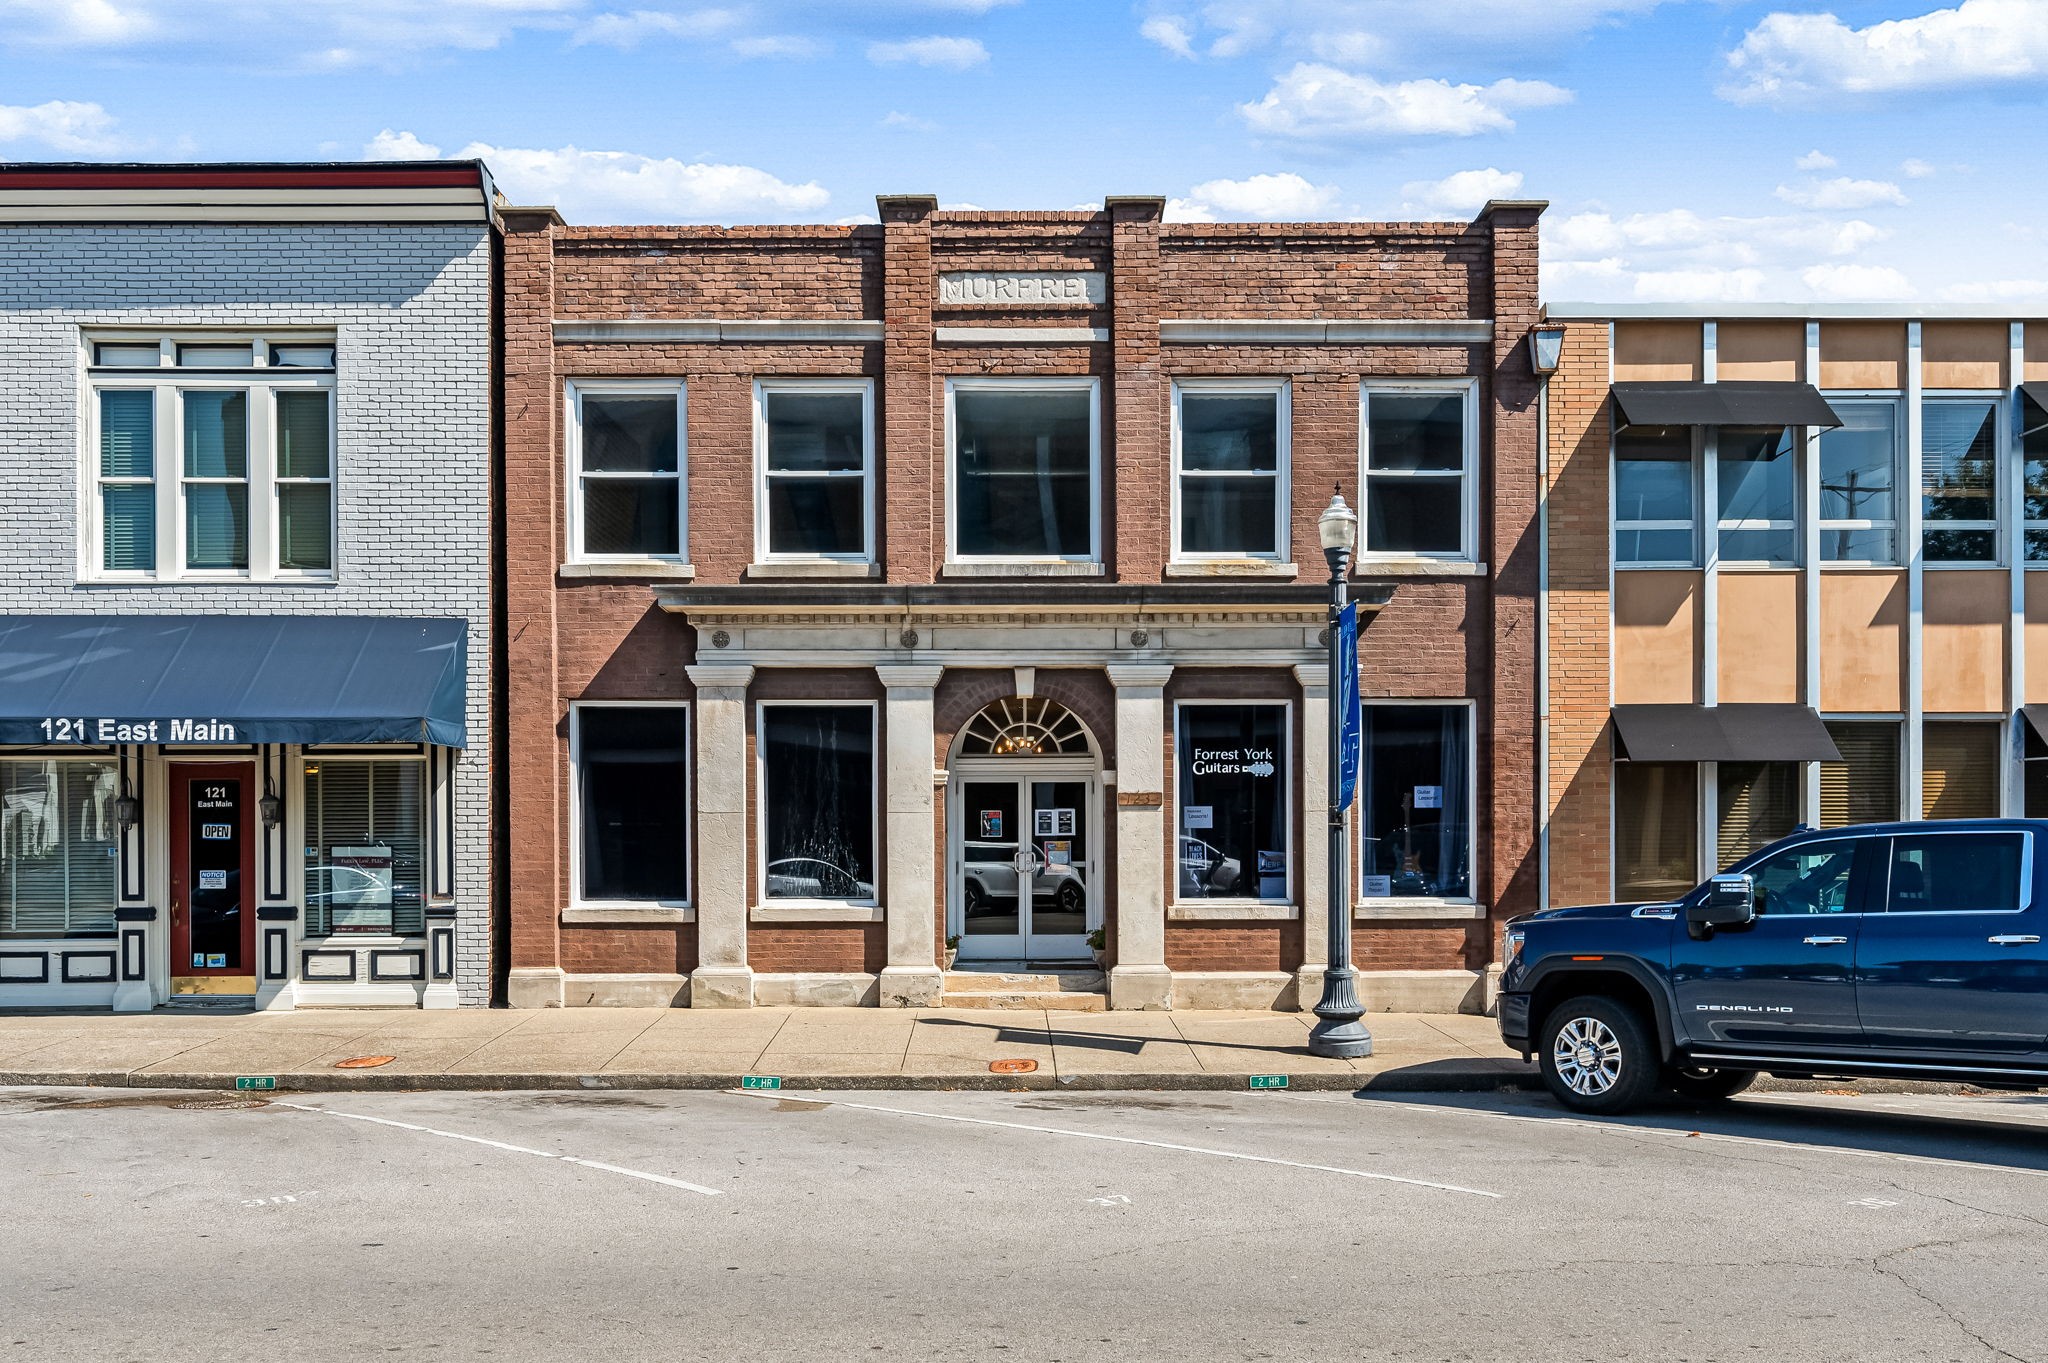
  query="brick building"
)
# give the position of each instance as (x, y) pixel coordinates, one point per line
(952, 583)
(245, 603)
(1794, 576)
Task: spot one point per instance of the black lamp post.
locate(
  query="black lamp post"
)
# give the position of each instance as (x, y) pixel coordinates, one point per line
(1338, 1033)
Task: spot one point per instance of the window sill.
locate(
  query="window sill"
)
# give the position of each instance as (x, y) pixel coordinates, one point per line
(1022, 568)
(232, 580)
(815, 568)
(1378, 910)
(1228, 910)
(338, 941)
(1964, 567)
(652, 567)
(1232, 568)
(1415, 567)
(629, 913)
(816, 911)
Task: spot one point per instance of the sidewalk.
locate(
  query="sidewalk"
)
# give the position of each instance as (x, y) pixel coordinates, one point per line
(714, 1048)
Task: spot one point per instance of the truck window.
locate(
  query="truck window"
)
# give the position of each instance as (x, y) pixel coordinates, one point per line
(1809, 879)
(1956, 873)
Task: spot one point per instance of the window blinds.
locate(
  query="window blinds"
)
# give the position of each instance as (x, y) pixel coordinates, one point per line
(57, 835)
(364, 805)
(1759, 803)
(1959, 770)
(1864, 786)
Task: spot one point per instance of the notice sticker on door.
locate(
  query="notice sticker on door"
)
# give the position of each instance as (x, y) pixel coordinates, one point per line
(991, 823)
(216, 960)
(199, 960)
(213, 880)
(217, 832)
(1059, 852)
(1052, 823)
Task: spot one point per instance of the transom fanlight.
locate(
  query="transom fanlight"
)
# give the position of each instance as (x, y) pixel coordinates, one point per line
(1025, 726)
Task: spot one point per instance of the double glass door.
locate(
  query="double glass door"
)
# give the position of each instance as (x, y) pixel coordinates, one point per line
(1024, 869)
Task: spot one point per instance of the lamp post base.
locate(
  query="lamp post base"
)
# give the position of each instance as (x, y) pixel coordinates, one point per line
(1338, 1033)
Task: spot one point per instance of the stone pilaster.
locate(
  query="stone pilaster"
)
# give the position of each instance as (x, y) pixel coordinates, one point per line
(1140, 978)
(911, 978)
(1314, 880)
(722, 978)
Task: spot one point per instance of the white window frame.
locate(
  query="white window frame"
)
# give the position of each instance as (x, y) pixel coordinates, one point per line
(577, 899)
(1036, 384)
(14, 936)
(768, 387)
(1290, 749)
(2002, 446)
(1691, 527)
(574, 391)
(1282, 392)
(168, 384)
(1896, 524)
(2019, 457)
(1467, 475)
(1422, 904)
(1796, 437)
(770, 908)
(300, 810)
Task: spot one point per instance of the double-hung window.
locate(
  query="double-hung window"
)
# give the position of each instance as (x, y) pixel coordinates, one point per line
(814, 449)
(2034, 450)
(1655, 496)
(627, 467)
(210, 458)
(1859, 463)
(1230, 469)
(1959, 480)
(1023, 483)
(1420, 461)
(1756, 469)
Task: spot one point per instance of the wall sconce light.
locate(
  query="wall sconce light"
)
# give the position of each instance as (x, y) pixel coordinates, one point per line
(270, 807)
(1546, 348)
(127, 809)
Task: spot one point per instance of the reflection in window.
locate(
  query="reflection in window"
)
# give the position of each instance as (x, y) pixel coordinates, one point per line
(1232, 795)
(1417, 456)
(365, 828)
(1858, 472)
(629, 474)
(1230, 466)
(1758, 804)
(216, 482)
(1656, 818)
(1758, 479)
(1414, 802)
(1956, 873)
(57, 839)
(128, 479)
(2034, 449)
(815, 468)
(1023, 472)
(1809, 879)
(1653, 495)
(632, 774)
(1959, 481)
(818, 793)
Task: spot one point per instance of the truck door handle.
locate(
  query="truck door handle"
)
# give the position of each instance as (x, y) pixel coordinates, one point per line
(1827, 941)
(2013, 939)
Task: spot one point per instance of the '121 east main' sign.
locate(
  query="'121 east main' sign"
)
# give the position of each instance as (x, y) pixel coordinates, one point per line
(136, 730)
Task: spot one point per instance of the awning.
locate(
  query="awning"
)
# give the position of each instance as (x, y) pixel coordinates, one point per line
(1722, 733)
(2037, 720)
(2032, 423)
(92, 679)
(1745, 403)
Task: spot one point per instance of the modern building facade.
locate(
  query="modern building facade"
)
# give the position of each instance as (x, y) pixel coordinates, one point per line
(245, 589)
(1794, 575)
(951, 584)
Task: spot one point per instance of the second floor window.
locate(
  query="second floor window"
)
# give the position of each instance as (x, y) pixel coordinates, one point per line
(1230, 468)
(1757, 468)
(1959, 480)
(1654, 495)
(1421, 457)
(1859, 463)
(211, 460)
(626, 471)
(814, 443)
(1023, 474)
(2034, 450)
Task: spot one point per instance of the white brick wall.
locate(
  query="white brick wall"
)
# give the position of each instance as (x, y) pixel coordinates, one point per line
(410, 306)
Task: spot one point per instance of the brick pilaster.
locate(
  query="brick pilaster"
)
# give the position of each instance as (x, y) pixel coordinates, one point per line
(911, 524)
(1135, 456)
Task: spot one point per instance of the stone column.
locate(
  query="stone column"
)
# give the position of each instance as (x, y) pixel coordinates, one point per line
(1313, 884)
(911, 978)
(722, 978)
(1140, 978)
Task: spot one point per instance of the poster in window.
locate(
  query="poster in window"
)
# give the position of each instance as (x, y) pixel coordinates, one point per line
(1429, 797)
(991, 823)
(1052, 823)
(1199, 816)
(1059, 852)
(359, 888)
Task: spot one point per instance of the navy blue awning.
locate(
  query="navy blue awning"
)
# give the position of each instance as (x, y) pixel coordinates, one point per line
(97, 679)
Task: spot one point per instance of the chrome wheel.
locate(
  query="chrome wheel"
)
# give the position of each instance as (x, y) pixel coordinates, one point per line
(1587, 1056)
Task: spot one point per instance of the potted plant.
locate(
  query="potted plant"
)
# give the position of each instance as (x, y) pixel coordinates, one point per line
(952, 950)
(1098, 943)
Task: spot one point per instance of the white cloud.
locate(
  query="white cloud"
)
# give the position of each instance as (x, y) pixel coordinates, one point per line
(1379, 33)
(1460, 195)
(779, 45)
(1816, 160)
(908, 122)
(1855, 282)
(82, 23)
(1321, 103)
(1674, 254)
(1913, 168)
(954, 54)
(1789, 58)
(1170, 31)
(62, 125)
(1840, 193)
(1999, 292)
(399, 146)
(630, 30)
(1285, 197)
(618, 186)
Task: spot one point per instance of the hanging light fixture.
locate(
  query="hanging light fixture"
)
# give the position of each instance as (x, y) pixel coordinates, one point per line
(127, 809)
(270, 806)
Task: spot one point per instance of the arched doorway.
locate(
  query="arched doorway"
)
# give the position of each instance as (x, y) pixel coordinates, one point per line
(1024, 829)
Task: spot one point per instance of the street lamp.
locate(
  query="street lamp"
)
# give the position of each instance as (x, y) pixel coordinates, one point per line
(1338, 1033)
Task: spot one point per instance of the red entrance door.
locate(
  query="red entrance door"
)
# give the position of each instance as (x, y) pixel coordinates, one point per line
(213, 879)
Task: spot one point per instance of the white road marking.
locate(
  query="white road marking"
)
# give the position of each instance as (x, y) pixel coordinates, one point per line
(1135, 1140)
(501, 1145)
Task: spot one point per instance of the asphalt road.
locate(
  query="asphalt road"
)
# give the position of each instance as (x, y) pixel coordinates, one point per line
(1022, 1227)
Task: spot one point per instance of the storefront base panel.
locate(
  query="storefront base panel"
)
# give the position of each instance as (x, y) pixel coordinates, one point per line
(1233, 989)
(1422, 991)
(622, 990)
(73, 973)
(850, 989)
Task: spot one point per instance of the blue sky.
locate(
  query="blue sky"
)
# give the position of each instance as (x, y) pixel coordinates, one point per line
(1690, 149)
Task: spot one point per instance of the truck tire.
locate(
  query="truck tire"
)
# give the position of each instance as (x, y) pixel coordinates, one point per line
(1707, 1086)
(1597, 1057)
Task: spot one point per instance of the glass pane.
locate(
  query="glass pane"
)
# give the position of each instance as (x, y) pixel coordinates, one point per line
(1811, 879)
(1656, 815)
(123, 355)
(1414, 515)
(217, 897)
(2034, 447)
(818, 769)
(816, 516)
(1022, 482)
(1960, 546)
(1227, 516)
(629, 434)
(2037, 545)
(217, 526)
(1959, 462)
(1956, 873)
(1857, 546)
(302, 357)
(989, 841)
(1415, 431)
(128, 527)
(1864, 786)
(305, 526)
(1760, 546)
(1959, 770)
(1059, 834)
(1414, 800)
(633, 782)
(631, 516)
(1858, 464)
(1653, 546)
(217, 356)
(1653, 474)
(1230, 431)
(1232, 798)
(1759, 803)
(216, 434)
(127, 435)
(56, 856)
(365, 835)
(302, 435)
(812, 432)
(1757, 474)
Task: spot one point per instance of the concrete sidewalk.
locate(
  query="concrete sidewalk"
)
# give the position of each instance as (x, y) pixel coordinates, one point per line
(714, 1048)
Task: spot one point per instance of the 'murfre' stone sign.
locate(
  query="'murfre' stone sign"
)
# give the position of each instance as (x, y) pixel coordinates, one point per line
(986, 288)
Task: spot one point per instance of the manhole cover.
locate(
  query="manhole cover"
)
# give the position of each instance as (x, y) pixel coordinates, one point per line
(364, 1062)
(1012, 1066)
(220, 1104)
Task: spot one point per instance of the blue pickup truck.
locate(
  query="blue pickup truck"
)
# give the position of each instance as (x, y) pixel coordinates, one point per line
(1901, 950)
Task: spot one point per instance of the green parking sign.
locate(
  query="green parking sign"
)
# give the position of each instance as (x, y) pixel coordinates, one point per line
(1268, 1081)
(760, 1081)
(244, 1082)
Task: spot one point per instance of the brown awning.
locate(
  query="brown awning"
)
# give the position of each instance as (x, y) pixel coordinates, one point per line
(1747, 403)
(1721, 733)
(2037, 720)
(2034, 422)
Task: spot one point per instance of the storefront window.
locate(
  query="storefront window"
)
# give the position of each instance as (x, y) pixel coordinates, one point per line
(1656, 830)
(1959, 769)
(818, 801)
(365, 844)
(1023, 469)
(1864, 786)
(1232, 793)
(1758, 804)
(1415, 802)
(632, 787)
(57, 844)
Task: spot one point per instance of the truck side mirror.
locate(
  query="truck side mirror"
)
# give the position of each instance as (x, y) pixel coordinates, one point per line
(1730, 902)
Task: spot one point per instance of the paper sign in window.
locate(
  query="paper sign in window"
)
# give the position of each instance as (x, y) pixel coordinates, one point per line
(359, 888)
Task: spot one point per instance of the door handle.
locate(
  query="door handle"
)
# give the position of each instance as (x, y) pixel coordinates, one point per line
(2013, 939)
(1827, 941)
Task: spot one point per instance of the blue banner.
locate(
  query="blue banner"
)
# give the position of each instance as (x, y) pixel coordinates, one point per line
(1349, 715)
